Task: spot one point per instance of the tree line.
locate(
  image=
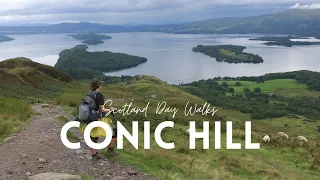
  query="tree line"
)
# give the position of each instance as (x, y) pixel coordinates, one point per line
(260, 105)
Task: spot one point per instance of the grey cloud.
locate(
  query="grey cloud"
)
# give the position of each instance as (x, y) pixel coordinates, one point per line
(134, 11)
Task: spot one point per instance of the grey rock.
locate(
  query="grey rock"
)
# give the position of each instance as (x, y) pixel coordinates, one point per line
(42, 160)
(24, 155)
(54, 176)
(119, 178)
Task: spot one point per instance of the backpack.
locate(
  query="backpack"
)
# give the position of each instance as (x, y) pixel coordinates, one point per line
(87, 108)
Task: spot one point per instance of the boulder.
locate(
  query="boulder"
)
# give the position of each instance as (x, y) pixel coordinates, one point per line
(54, 176)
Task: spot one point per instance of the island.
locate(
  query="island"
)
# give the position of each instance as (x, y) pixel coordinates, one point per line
(228, 53)
(90, 38)
(5, 38)
(82, 64)
(285, 41)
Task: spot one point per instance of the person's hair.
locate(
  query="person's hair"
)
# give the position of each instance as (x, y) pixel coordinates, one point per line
(95, 84)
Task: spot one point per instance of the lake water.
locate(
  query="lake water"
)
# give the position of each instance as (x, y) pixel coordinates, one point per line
(170, 57)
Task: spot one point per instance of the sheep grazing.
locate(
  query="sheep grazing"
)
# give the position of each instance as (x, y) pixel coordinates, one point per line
(188, 131)
(266, 139)
(283, 135)
(301, 138)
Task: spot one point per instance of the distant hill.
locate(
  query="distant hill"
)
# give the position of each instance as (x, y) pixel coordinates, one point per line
(303, 22)
(90, 38)
(296, 21)
(82, 64)
(24, 79)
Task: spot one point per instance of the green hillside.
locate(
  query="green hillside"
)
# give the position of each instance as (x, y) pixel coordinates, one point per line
(296, 21)
(276, 160)
(23, 82)
(24, 79)
(14, 115)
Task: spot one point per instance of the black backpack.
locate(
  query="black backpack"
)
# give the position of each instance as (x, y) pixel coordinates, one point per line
(87, 108)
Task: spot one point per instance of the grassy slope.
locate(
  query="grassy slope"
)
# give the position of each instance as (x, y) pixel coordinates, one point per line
(22, 82)
(24, 79)
(267, 163)
(14, 115)
(267, 86)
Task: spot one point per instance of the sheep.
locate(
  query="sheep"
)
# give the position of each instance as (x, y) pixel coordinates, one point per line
(266, 139)
(188, 131)
(301, 138)
(283, 135)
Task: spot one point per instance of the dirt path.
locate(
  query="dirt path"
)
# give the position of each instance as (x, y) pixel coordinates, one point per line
(41, 139)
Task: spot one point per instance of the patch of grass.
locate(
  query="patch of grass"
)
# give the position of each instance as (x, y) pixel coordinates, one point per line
(293, 93)
(267, 86)
(62, 118)
(14, 115)
(85, 177)
(72, 137)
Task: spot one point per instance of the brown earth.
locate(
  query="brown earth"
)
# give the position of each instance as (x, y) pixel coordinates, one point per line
(37, 149)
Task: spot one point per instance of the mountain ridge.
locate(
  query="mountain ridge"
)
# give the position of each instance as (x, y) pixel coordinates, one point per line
(24, 79)
(303, 22)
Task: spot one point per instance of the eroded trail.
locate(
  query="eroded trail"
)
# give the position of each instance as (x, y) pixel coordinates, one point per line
(38, 148)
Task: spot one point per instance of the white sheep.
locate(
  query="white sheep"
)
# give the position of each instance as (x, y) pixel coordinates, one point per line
(301, 138)
(188, 131)
(283, 135)
(266, 139)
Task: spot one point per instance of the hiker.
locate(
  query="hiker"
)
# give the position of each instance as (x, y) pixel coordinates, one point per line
(100, 112)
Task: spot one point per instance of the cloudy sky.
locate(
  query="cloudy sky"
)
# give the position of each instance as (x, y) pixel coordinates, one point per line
(138, 11)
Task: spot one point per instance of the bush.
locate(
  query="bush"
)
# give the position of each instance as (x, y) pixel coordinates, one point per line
(246, 90)
(257, 90)
(72, 104)
(224, 84)
(231, 90)
(238, 83)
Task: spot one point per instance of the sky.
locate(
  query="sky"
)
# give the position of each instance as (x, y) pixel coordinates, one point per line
(14, 12)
